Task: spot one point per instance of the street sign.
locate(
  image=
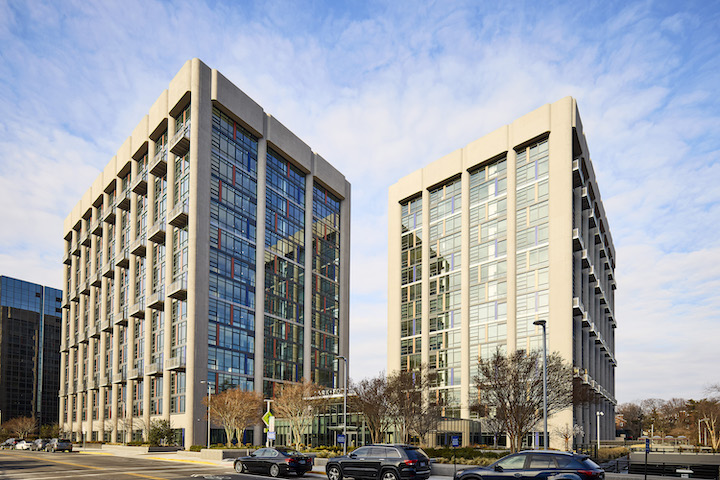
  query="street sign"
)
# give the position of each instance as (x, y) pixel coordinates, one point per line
(341, 438)
(455, 441)
(271, 435)
(647, 445)
(266, 418)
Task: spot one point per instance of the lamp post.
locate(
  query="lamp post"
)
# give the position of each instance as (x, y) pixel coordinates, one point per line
(598, 414)
(344, 358)
(208, 412)
(543, 324)
(700, 420)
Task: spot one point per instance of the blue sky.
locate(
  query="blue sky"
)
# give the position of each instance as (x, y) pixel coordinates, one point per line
(380, 89)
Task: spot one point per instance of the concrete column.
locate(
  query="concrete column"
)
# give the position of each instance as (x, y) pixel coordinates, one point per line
(511, 164)
(344, 277)
(307, 287)
(425, 275)
(198, 251)
(260, 273)
(466, 362)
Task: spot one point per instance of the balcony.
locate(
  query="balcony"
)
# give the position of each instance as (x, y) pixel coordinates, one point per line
(158, 166)
(123, 201)
(109, 214)
(67, 259)
(108, 269)
(578, 177)
(75, 295)
(578, 307)
(83, 337)
(585, 259)
(121, 318)
(96, 279)
(139, 246)
(156, 232)
(154, 369)
(585, 197)
(137, 309)
(65, 301)
(107, 324)
(139, 185)
(92, 383)
(175, 363)
(76, 248)
(85, 288)
(578, 242)
(180, 142)
(122, 260)
(94, 331)
(64, 347)
(85, 239)
(96, 227)
(105, 381)
(178, 288)
(136, 373)
(63, 391)
(119, 378)
(178, 216)
(157, 300)
(592, 219)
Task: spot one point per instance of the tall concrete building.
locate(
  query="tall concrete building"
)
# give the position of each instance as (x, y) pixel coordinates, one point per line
(492, 237)
(212, 250)
(29, 350)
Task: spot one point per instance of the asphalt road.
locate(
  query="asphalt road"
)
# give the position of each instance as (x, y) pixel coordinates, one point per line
(27, 465)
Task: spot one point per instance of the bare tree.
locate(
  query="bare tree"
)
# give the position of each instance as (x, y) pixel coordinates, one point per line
(513, 384)
(370, 398)
(21, 427)
(633, 415)
(297, 403)
(248, 412)
(566, 433)
(410, 407)
(222, 410)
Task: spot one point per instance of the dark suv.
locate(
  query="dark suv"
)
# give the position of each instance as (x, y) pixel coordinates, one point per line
(381, 462)
(537, 465)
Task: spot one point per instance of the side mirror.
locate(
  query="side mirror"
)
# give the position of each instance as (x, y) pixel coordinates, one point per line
(352, 455)
(252, 454)
(498, 468)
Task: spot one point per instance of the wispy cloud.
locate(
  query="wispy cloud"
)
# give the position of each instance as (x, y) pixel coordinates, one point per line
(381, 89)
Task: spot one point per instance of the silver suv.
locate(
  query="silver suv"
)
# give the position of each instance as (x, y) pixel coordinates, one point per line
(59, 444)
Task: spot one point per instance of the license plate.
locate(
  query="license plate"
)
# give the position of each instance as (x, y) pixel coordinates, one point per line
(301, 462)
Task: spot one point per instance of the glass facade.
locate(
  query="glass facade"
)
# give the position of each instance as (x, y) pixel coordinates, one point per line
(284, 271)
(325, 342)
(233, 243)
(30, 329)
(488, 261)
(411, 289)
(532, 244)
(444, 297)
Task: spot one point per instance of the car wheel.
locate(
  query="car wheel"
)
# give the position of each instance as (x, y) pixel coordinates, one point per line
(334, 473)
(274, 470)
(389, 475)
(240, 467)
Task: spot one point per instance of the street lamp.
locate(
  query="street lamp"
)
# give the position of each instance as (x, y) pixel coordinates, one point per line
(208, 412)
(543, 324)
(599, 414)
(342, 357)
(701, 420)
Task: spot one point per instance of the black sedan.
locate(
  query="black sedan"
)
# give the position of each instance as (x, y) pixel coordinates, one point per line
(274, 461)
(537, 465)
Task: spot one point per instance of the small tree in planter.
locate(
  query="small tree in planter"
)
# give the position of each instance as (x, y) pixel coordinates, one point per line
(160, 432)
